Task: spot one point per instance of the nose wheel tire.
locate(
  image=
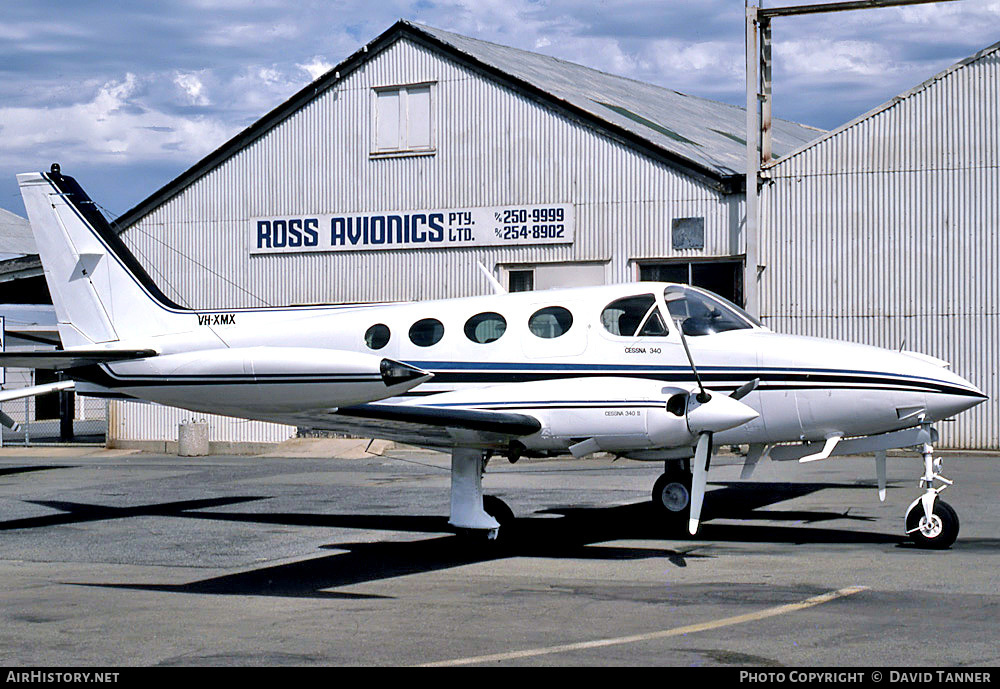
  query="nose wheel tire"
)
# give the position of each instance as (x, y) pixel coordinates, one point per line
(938, 532)
(672, 498)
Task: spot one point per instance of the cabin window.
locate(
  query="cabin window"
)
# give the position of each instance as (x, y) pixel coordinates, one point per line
(632, 316)
(377, 336)
(485, 327)
(550, 322)
(426, 332)
(654, 325)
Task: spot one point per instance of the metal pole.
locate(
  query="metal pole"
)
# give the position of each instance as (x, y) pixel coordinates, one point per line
(765, 98)
(751, 287)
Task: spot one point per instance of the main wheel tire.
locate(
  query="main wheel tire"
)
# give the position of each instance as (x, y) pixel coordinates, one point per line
(499, 510)
(938, 533)
(672, 498)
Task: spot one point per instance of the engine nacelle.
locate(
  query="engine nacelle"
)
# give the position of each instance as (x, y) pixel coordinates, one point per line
(584, 415)
(621, 415)
(264, 379)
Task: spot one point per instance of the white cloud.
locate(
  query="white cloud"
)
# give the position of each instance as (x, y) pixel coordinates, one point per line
(111, 126)
(821, 56)
(316, 67)
(190, 84)
(239, 35)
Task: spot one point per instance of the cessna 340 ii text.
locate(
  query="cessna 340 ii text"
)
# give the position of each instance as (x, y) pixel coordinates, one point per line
(649, 371)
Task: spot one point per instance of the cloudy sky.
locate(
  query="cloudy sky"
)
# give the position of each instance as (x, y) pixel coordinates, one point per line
(127, 95)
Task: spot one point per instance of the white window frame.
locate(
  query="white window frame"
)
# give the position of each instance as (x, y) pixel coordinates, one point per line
(403, 147)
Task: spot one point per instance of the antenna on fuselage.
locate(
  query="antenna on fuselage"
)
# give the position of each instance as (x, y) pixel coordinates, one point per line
(497, 287)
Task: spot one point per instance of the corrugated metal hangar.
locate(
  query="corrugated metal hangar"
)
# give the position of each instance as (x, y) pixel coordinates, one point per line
(883, 231)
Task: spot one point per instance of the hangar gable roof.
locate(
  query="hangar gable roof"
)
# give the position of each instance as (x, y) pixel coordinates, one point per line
(706, 133)
(702, 136)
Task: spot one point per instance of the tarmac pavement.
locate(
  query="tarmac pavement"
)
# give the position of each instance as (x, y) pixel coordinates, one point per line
(111, 558)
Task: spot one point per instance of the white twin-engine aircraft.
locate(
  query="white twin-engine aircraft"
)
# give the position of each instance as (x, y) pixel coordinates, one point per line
(648, 371)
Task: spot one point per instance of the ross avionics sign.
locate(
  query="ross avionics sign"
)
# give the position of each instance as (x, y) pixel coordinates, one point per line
(423, 229)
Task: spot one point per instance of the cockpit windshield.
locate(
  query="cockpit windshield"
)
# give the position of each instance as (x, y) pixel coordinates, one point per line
(701, 313)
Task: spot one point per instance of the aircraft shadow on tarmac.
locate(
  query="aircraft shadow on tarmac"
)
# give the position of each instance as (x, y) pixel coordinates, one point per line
(572, 535)
(10, 471)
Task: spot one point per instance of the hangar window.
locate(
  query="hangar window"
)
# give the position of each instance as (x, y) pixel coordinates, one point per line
(377, 336)
(724, 277)
(485, 327)
(402, 123)
(520, 280)
(550, 322)
(426, 332)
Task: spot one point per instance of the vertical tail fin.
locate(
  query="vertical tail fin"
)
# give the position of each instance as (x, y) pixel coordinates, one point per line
(100, 291)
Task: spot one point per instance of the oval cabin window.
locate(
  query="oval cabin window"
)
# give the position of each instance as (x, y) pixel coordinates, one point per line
(377, 336)
(426, 332)
(550, 322)
(485, 327)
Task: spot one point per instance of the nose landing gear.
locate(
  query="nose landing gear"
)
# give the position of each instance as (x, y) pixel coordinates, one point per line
(931, 522)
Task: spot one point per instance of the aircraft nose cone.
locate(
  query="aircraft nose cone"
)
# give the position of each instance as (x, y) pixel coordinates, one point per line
(945, 404)
(720, 413)
(951, 395)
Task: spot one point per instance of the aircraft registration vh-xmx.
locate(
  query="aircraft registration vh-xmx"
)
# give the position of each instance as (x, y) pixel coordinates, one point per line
(648, 371)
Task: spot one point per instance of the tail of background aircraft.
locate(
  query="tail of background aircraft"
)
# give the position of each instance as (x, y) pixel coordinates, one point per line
(100, 291)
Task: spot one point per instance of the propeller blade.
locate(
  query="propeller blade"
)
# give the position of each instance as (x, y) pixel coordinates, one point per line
(745, 389)
(880, 472)
(699, 477)
(9, 422)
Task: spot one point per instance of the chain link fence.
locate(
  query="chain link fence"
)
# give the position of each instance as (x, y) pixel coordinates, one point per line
(41, 423)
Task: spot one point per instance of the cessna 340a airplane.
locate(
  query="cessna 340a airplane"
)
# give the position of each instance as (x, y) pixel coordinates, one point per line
(649, 371)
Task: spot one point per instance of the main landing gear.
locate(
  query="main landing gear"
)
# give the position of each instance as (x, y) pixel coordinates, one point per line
(931, 522)
(672, 496)
(478, 517)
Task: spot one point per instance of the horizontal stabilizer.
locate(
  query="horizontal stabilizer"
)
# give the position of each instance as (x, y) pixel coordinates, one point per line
(65, 359)
(468, 419)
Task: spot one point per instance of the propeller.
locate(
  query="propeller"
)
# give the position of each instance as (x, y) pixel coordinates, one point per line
(9, 422)
(711, 415)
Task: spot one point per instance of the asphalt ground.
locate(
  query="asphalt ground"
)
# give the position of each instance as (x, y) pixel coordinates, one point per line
(116, 559)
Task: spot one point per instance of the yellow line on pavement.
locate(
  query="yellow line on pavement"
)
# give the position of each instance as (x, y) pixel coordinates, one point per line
(677, 631)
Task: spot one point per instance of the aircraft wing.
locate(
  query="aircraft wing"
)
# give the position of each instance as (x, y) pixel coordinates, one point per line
(65, 359)
(423, 425)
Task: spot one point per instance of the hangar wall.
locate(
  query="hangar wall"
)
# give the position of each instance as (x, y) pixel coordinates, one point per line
(886, 231)
(493, 146)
